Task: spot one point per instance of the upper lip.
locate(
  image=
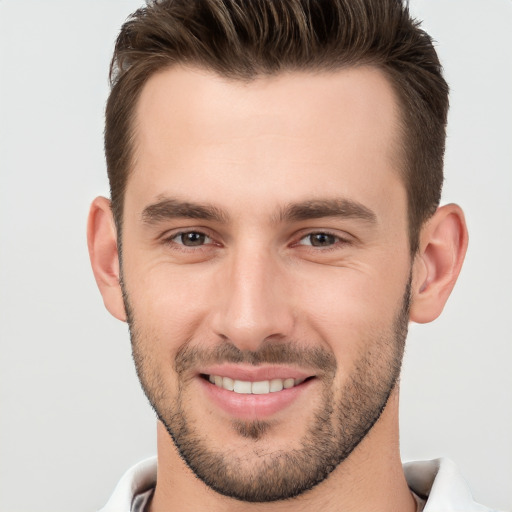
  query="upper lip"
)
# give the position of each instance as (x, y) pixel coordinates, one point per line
(255, 373)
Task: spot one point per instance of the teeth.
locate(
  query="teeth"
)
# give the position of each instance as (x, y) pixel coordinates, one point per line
(288, 383)
(256, 388)
(276, 385)
(261, 388)
(228, 383)
(242, 386)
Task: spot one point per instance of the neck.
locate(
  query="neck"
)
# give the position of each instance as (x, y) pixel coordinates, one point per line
(370, 479)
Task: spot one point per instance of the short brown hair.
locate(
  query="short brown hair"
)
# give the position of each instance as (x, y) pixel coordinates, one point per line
(243, 39)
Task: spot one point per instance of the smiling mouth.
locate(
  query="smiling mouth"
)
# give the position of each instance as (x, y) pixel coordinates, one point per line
(245, 387)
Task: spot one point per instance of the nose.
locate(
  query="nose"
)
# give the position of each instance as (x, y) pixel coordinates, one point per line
(253, 304)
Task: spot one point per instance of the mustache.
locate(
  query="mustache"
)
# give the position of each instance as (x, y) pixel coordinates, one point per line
(271, 352)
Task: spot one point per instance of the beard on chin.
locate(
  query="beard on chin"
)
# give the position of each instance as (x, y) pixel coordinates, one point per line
(338, 425)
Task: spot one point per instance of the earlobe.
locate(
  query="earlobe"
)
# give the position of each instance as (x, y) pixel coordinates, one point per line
(102, 244)
(443, 244)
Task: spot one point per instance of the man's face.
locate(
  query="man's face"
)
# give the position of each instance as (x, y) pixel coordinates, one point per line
(265, 248)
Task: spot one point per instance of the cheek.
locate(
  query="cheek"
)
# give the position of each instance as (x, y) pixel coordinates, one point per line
(168, 301)
(349, 308)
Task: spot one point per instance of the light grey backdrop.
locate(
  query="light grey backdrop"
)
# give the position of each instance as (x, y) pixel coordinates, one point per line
(72, 416)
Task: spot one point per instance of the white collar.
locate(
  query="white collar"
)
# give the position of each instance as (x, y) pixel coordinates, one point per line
(442, 483)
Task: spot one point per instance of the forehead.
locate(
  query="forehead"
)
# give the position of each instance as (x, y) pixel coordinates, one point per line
(295, 133)
(297, 103)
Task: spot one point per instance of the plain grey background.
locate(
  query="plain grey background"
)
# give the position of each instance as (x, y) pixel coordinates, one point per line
(73, 418)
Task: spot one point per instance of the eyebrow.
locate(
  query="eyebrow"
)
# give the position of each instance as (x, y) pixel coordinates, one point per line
(171, 208)
(319, 208)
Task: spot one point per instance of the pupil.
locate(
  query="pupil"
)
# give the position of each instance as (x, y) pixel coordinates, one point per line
(192, 239)
(322, 239)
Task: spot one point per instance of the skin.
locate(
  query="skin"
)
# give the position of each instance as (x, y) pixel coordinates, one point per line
(250, 150)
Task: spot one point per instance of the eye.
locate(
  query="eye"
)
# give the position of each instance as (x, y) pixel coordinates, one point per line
(319, 239)
(191, 239)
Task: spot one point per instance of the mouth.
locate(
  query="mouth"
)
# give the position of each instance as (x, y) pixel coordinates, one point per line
(260, 387)
(255, 393)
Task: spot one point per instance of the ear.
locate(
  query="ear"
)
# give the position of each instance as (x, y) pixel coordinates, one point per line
(442, 247)
(102, 243)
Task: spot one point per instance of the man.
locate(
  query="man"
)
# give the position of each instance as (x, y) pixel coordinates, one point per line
(275, 172)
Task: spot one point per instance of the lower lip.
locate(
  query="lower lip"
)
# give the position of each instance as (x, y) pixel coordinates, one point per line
(249, 406)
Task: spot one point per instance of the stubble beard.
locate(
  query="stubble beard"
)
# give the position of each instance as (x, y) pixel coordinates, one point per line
(336, 430)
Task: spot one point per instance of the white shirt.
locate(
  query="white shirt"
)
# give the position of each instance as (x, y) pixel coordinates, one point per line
(438, 480)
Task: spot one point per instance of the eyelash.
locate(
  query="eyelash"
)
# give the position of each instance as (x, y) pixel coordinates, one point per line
(170, 240)
(339, 241)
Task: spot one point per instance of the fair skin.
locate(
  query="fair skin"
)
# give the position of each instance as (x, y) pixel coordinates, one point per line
(249, 265)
